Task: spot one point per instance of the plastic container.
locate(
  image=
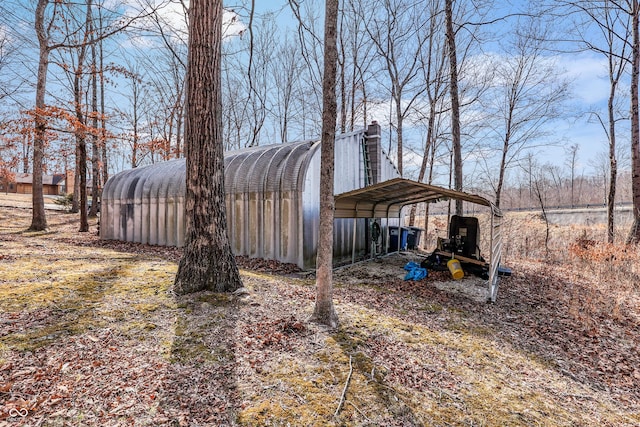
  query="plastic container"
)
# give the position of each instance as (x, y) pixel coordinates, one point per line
(413, 237)
(393, 238)
(455, 269)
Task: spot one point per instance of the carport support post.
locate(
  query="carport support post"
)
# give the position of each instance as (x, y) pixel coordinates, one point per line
(399, 230)
(353, 248)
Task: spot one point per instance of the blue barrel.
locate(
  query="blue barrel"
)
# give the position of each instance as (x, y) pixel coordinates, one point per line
(393, 238)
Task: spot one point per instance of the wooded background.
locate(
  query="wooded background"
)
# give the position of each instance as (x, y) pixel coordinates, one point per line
(496, 93)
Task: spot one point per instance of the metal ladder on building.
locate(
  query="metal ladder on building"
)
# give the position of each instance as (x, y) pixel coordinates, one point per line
(368, 172)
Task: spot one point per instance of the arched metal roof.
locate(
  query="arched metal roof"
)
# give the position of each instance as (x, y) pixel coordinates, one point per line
(267, 168)
(386, 199)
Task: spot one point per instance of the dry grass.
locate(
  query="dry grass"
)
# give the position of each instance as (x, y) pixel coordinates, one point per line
(90, 334)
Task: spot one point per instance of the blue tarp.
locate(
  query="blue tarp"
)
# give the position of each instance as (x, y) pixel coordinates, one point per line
(414, 271)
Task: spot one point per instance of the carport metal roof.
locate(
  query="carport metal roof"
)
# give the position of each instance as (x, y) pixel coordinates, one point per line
(387, 198)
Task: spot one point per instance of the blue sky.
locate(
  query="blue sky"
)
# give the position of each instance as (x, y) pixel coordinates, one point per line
(590, 89)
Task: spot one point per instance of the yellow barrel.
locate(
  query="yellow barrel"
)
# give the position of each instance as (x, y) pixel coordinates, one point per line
(455, 269)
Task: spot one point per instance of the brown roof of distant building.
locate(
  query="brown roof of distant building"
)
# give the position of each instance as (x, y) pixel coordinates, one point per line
(27, 178)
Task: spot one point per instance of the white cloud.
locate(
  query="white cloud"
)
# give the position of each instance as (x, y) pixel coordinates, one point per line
(173, 16)
(588, 74)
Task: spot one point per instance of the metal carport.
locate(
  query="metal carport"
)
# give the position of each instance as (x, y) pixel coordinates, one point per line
(386, 200)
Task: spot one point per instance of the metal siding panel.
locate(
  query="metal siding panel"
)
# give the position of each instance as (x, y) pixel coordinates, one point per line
(137, 210)
(181, 222)
(268, 225)
(119, 214)
(311, 209)
(153, 219)
(236, 219)
(389, 169)
(176, 185)
(253, 224)
(171, 221)
(347, 163)
(127, 214)
(285, 233)
(145, 212)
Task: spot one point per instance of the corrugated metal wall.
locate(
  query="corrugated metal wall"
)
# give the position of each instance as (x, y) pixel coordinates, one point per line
(272, 198)
(145, 205)
(263, 188)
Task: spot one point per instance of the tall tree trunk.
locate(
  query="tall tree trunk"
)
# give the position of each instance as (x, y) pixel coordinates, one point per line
(81, 135)
(342, 61)
(26, 152)
(423, 166)
(613, 166)
(103, 121)
(634, 234)
(95, 152)
(75, 203)
(136, 137)
(455, 104)
(324, 311)
(39, 219)
(399, 118)
(429, 180)
(207, 262)
(503, 166)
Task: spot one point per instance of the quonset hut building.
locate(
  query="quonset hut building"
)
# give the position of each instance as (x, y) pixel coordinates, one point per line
(272, 197)
(273, 202)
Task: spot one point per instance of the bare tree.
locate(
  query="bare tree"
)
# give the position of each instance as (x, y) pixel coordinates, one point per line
(634, 234)
(8, 48)
(612, 25)
(356, 58)
(433, 67)
(257, 81)
(324, 311)
(286, 73)
(399, 36)
(136, 85)
(311, 46)
(455, 102)
(572, 161)
(207, 262)
(614, 16)
(43, 30)
(528, 97)
(50, 17)
(96, 185)
(167, 92)
(539, 188)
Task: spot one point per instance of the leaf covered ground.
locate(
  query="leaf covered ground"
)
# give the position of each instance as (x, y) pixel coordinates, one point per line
(91, 335)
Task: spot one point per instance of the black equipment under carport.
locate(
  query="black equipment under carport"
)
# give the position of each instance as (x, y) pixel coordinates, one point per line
(464, 245)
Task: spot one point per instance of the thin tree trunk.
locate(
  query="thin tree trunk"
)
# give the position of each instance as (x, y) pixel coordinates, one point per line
(134, 150)
(103, 121)
(399, 134)
(343, 82)
(207, 262)
(39, 219)
(80, 133)
(503, 165)
(95, 153)
(429, 181)
(634, 234)
(613, 168)
(455, 103)
(423, 165)
(324, 311)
